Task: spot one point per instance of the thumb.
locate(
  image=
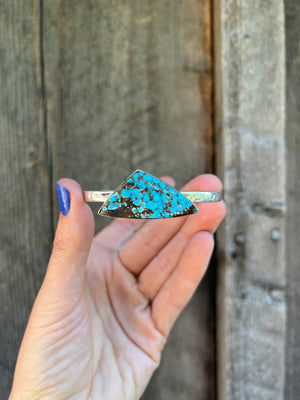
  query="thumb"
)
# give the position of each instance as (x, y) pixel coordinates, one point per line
(73, 237)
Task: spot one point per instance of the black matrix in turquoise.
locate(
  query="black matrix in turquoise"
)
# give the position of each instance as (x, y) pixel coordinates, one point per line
(145, 196)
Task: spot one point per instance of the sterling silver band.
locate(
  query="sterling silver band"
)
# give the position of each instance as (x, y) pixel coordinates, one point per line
(196, 197)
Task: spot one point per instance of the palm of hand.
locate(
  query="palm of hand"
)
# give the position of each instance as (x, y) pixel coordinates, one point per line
(126, 345)
(104, 330)
(102, 334)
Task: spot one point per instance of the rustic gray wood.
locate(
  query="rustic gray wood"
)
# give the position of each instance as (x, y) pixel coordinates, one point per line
(94, 89)
(250, 109)
(292, 13)
(25, 212)
(188, 369)
(128, 86)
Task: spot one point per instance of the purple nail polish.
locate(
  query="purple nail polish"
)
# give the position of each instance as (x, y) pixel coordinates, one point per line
(63, 199)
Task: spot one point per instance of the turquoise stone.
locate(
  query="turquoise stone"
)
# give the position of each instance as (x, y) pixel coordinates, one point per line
(142, 195)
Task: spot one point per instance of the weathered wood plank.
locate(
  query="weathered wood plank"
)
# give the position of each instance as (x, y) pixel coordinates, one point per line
(25, 222)
(129, 86)
(123, 88)
(250, 108)
(292, 13)
(188, 367)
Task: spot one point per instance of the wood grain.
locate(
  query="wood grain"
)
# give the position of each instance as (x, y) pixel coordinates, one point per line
(129, 86)
(250, 121)
(123, 89)
(92, 90)
(25, 213)
(292, 19)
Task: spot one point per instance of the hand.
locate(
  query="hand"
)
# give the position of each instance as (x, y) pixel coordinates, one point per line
(107, 304)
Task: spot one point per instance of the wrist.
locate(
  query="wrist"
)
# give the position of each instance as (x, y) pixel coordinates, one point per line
(17, 394)
(14, 396)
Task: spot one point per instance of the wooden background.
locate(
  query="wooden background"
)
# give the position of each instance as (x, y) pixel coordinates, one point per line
(92, 90)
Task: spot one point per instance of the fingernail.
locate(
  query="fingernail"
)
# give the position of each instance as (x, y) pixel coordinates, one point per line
(63, 199)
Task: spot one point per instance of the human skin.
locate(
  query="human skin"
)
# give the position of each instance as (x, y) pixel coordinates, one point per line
(108, 302)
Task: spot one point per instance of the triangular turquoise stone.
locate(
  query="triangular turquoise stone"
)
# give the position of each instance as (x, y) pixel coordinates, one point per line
(144, 196)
